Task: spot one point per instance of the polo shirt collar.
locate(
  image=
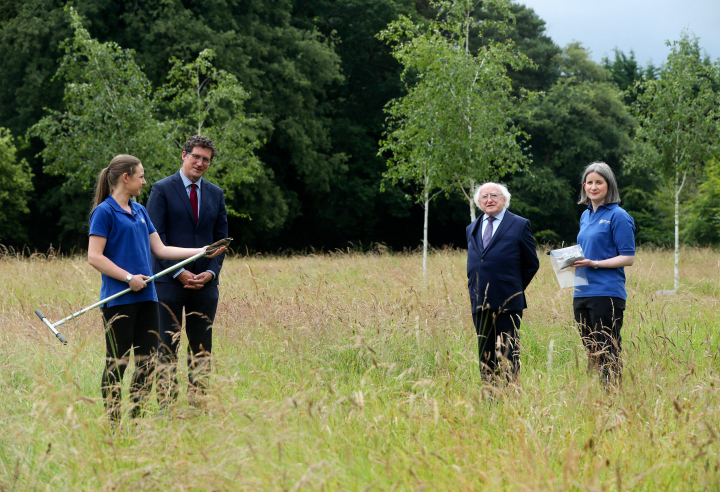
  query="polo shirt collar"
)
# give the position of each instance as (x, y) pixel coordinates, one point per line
(608, 206)
(187, 182)
(116, 206)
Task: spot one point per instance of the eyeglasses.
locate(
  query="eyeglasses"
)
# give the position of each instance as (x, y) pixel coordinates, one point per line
(205, 160)
(494, 196)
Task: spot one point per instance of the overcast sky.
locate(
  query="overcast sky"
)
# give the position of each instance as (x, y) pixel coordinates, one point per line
(640, 25)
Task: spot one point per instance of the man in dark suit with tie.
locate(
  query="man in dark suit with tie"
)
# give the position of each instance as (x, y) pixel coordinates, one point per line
(188, 210)
(501, 263)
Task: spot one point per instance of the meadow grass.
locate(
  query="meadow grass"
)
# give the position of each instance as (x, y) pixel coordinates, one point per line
(348, 372)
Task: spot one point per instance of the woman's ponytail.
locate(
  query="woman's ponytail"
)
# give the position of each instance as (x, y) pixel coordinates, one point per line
(102, 190)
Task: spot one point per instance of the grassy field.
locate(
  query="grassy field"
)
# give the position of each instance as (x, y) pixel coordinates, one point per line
(347, 372)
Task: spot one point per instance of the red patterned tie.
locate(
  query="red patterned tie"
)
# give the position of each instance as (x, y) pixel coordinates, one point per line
(193, 200)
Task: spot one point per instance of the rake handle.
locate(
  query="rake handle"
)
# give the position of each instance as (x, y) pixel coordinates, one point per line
(209, 250)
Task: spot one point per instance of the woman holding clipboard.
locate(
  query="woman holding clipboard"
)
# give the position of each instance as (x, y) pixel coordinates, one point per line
(608, 243)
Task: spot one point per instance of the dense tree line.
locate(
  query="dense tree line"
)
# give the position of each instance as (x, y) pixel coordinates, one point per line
(318, 79)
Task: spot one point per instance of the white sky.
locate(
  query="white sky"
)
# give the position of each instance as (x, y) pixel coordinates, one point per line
(640, 25)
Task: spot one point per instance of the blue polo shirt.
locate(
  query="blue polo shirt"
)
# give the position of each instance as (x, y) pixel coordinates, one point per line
(128, 246)
(605, 233)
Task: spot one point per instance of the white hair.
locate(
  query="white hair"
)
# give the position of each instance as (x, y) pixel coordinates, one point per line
(502, 188)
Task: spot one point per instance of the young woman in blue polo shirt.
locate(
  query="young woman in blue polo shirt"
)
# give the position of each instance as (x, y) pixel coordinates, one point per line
(121, 240)
(607, 237)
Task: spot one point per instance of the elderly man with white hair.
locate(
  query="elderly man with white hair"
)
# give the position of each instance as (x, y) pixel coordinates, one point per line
(501, 263)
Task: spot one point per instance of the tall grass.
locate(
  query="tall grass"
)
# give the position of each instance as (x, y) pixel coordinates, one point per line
(346, 371)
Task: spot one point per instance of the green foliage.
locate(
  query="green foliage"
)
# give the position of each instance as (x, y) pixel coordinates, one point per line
(30, 35)
(703, 210)
(15, 190)
(112, 109)
(678, 117)
(677, 113)
(453, 125)
(649, 202)
(109, 110)
(624, 69)
(581, 119)
(371, 79)
(317, 80)
(527, 32)
(287, 70)
(207, 101)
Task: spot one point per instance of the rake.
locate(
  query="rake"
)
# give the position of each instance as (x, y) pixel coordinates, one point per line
(53, 326)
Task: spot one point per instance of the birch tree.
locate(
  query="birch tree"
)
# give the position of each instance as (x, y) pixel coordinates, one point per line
(479, 140)
(204, 100)
(678, 116)
(109, 110)
(453, 127)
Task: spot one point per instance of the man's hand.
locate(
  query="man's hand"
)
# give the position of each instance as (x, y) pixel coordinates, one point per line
(187, 278)
(198, 281)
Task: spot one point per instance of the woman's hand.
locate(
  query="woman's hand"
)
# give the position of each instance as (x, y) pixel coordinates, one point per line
(616, 262)
(174, 253)
(138, 282)
(216, 252)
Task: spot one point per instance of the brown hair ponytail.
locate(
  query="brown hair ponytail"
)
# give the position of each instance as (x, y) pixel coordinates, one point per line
(107, 179)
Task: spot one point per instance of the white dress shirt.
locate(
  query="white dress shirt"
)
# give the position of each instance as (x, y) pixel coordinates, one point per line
(495, 224)
(186, 181)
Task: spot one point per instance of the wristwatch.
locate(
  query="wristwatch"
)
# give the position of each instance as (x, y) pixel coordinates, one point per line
(597, 265)
(129, 277)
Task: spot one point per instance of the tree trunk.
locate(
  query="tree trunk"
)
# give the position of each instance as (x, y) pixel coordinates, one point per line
(425, 227)
(472, 203)
(677, 229)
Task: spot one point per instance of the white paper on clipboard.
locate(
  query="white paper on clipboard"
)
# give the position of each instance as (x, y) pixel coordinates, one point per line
(562, 260)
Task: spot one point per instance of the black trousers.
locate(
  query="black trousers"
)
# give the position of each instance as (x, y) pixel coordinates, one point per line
(600, 320)
(129, 326)
(497, 334)
(200, 308)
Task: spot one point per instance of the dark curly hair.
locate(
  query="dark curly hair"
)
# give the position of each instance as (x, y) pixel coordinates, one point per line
(199, 141)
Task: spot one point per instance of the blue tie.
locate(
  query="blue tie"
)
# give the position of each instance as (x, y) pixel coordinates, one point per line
(487, 235)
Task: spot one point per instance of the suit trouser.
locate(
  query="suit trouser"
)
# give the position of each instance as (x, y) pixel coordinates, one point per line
(129, 326)
(497, 334)
(600, 320)
(200, 308)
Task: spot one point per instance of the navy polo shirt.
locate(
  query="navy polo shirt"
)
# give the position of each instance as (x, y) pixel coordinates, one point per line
(605, 233)
(128, 246)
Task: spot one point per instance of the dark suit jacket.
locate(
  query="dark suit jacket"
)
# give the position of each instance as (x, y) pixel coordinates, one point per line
(499, 274)
(171, 214)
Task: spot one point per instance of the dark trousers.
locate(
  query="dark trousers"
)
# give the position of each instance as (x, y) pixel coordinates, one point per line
(200, 308)
(599, 320)
(497, 334)
(129, 326)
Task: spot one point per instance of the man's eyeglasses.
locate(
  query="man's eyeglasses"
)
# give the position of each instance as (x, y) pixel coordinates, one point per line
(494, 196)
(205, 160)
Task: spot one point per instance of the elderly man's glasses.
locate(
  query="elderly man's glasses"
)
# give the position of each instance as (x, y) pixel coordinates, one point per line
(494, 196)
(205, 160)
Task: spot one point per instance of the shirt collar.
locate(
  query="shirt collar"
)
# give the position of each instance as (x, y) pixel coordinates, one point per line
(187, 182)
(116, 206)
(498, 217)
(606, 205)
